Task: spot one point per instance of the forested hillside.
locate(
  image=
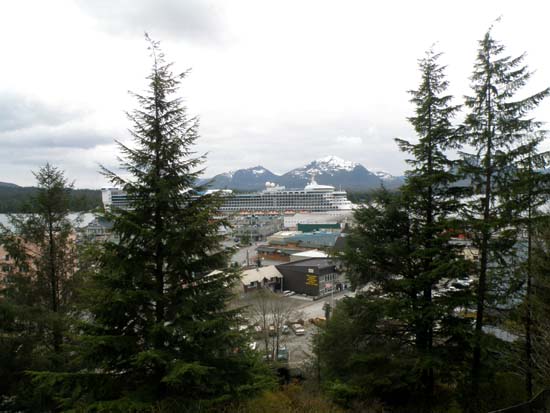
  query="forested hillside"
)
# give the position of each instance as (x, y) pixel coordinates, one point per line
(14, 199)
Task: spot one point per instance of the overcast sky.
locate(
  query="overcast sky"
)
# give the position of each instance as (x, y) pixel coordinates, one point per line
(276, 83)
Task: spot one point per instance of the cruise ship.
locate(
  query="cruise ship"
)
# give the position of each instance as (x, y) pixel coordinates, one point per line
(273, 200)
(277, 199)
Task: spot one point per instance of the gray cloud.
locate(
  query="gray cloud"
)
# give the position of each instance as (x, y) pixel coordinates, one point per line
(189, 19)
(287, 145)
(28, 123)
(20, 112)
(33, 132)
(79, 164)
(68, 136)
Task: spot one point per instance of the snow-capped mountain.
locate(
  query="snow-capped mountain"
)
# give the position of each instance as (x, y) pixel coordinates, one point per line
(328, 165)
(388, 180)
(330, 170)
(228, 175)
(334, 163)
(382, 174)
(250, 179)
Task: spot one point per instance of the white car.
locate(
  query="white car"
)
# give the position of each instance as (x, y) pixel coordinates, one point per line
(298, 329)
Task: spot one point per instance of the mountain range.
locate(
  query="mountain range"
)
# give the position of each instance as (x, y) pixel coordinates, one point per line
(329, 170)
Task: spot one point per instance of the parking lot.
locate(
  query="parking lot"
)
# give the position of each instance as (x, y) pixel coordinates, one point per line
(300, 347)
(304, 308)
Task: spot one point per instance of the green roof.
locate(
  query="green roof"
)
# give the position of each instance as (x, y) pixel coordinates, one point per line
(316, 227)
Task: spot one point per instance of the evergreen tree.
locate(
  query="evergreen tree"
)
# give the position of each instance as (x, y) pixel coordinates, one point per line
(381, 361)
(35, 298)
(401, 249)
(539, 305)
(533, 185)
(158, 329)
(389, 355)
(495, 126)
(431, 197)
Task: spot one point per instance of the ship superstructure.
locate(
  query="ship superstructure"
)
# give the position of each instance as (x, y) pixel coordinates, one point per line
(278, 199)
(273, 200)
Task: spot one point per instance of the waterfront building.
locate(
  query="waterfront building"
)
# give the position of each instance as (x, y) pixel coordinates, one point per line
(114, 198)
(99, 230)
(328, 227)
(282, 245)
(308, 254)
(342, 217)
(255, 227)
(308, 240)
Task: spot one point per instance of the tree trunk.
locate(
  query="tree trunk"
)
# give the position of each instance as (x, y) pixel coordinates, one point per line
(528, 314)
(484, 258)
(54, 286)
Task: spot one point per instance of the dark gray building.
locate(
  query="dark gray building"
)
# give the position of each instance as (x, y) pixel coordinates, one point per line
(312, 276)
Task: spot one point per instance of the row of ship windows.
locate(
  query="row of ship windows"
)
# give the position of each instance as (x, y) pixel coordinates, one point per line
(278, 201)
(285, 199)
(270, 208)
(239, 204)
(266, 204)
(278, 205)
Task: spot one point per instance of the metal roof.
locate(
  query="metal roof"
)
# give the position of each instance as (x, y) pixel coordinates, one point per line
(258, 274)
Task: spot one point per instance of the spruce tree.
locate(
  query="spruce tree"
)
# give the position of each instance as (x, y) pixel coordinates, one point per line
(379, 357)
(36, 293)
(431, 196)
(532, 185)
(495, 125)
(158, 331)
(402, 249)
(390, 354)
(539, 305)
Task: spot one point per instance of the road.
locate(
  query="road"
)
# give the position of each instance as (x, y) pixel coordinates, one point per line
(314, 309)
(240, 255)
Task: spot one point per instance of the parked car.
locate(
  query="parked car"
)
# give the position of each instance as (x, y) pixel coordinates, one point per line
(288, 293)
(298, 329)
(282, 354)
(272, 330)
(285, 329)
